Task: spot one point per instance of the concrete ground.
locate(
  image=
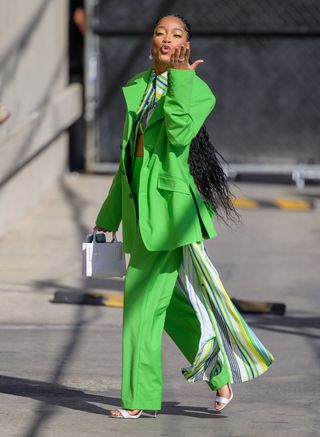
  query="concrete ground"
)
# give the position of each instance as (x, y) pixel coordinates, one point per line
(61, 363)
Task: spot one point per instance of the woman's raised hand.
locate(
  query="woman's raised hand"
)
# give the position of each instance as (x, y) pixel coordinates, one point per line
(179, 59)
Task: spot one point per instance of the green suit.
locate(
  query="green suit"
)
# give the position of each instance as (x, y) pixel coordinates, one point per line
(171, 211)
(161, 211)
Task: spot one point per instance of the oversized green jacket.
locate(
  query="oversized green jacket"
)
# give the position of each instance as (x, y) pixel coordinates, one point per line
(171, 211)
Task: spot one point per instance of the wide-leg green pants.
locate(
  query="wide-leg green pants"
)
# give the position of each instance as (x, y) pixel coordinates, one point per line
(153, 303)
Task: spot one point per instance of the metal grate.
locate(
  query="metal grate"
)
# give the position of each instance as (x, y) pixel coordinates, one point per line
(262, 63)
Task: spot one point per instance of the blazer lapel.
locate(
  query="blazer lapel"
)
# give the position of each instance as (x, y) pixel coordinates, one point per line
(157, 113)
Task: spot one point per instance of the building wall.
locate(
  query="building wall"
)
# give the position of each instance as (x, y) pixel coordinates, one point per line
(34, 89)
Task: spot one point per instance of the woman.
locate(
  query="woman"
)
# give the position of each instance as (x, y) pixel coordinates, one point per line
(167, 189)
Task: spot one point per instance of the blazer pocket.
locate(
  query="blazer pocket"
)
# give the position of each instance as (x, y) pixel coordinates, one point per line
(173, 184)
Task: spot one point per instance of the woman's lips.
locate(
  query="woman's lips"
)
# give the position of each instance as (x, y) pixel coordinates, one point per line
(165, 49)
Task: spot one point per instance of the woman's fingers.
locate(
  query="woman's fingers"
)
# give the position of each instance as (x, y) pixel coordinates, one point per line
(181, 54)
(180, 58)
(196, 63)
(183, 57)
(175, 55)
(187, 54)
(100, 229)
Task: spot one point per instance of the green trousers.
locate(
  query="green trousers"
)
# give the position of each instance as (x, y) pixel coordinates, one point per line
(152, 304)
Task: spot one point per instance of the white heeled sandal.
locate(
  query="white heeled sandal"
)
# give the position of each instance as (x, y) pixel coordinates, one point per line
(223, 400)
(125, 415)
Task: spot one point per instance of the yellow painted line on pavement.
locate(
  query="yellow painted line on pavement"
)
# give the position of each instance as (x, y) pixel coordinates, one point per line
(278, 203)
(243, 202)
(111, 299)
(293, 204)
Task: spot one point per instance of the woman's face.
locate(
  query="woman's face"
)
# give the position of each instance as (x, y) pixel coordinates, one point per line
(168, 34)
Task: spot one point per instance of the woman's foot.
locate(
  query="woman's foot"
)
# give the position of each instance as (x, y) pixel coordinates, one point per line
(131, 412)
(224, 394)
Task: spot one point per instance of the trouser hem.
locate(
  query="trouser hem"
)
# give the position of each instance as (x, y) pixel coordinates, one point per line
(217, 384)
(140, 405)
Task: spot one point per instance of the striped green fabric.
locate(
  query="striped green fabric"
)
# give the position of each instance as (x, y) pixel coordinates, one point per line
(156, 88)
(160, 86)
(226, 339)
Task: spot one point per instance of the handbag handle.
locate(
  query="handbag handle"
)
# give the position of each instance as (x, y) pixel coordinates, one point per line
(114, 238)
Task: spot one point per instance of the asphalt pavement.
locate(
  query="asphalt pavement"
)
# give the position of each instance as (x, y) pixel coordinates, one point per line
(61, 363)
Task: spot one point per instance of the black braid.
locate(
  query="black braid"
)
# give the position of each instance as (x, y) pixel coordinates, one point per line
(209, 176)
(205, 166)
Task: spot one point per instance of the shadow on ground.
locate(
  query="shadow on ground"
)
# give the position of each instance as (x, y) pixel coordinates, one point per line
(52, 395)
(295, 324)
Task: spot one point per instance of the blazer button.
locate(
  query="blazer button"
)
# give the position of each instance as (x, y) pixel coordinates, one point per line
(123, 172)
(130, 195)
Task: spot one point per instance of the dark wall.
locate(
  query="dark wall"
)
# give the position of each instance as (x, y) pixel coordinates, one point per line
(262, 61)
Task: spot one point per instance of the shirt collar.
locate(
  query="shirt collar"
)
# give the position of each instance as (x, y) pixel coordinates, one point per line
(163, 76)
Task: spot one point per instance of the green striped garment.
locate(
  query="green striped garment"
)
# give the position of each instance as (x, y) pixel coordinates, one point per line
(156, 88)
(226, 339)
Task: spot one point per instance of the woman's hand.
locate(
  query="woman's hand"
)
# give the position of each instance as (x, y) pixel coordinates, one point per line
(100, 229)
(179, 59)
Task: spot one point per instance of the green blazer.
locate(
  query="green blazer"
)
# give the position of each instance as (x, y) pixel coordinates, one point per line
(171, 211)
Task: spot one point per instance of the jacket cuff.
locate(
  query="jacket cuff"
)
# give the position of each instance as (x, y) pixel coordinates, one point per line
(180, 83)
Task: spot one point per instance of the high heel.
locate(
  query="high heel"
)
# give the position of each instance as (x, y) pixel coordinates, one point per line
(125, 415)
(223, 400)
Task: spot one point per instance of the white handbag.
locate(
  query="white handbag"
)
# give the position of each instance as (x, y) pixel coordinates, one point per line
(102, 259)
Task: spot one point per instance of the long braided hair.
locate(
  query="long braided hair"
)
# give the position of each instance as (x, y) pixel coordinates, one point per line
(205, 166)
